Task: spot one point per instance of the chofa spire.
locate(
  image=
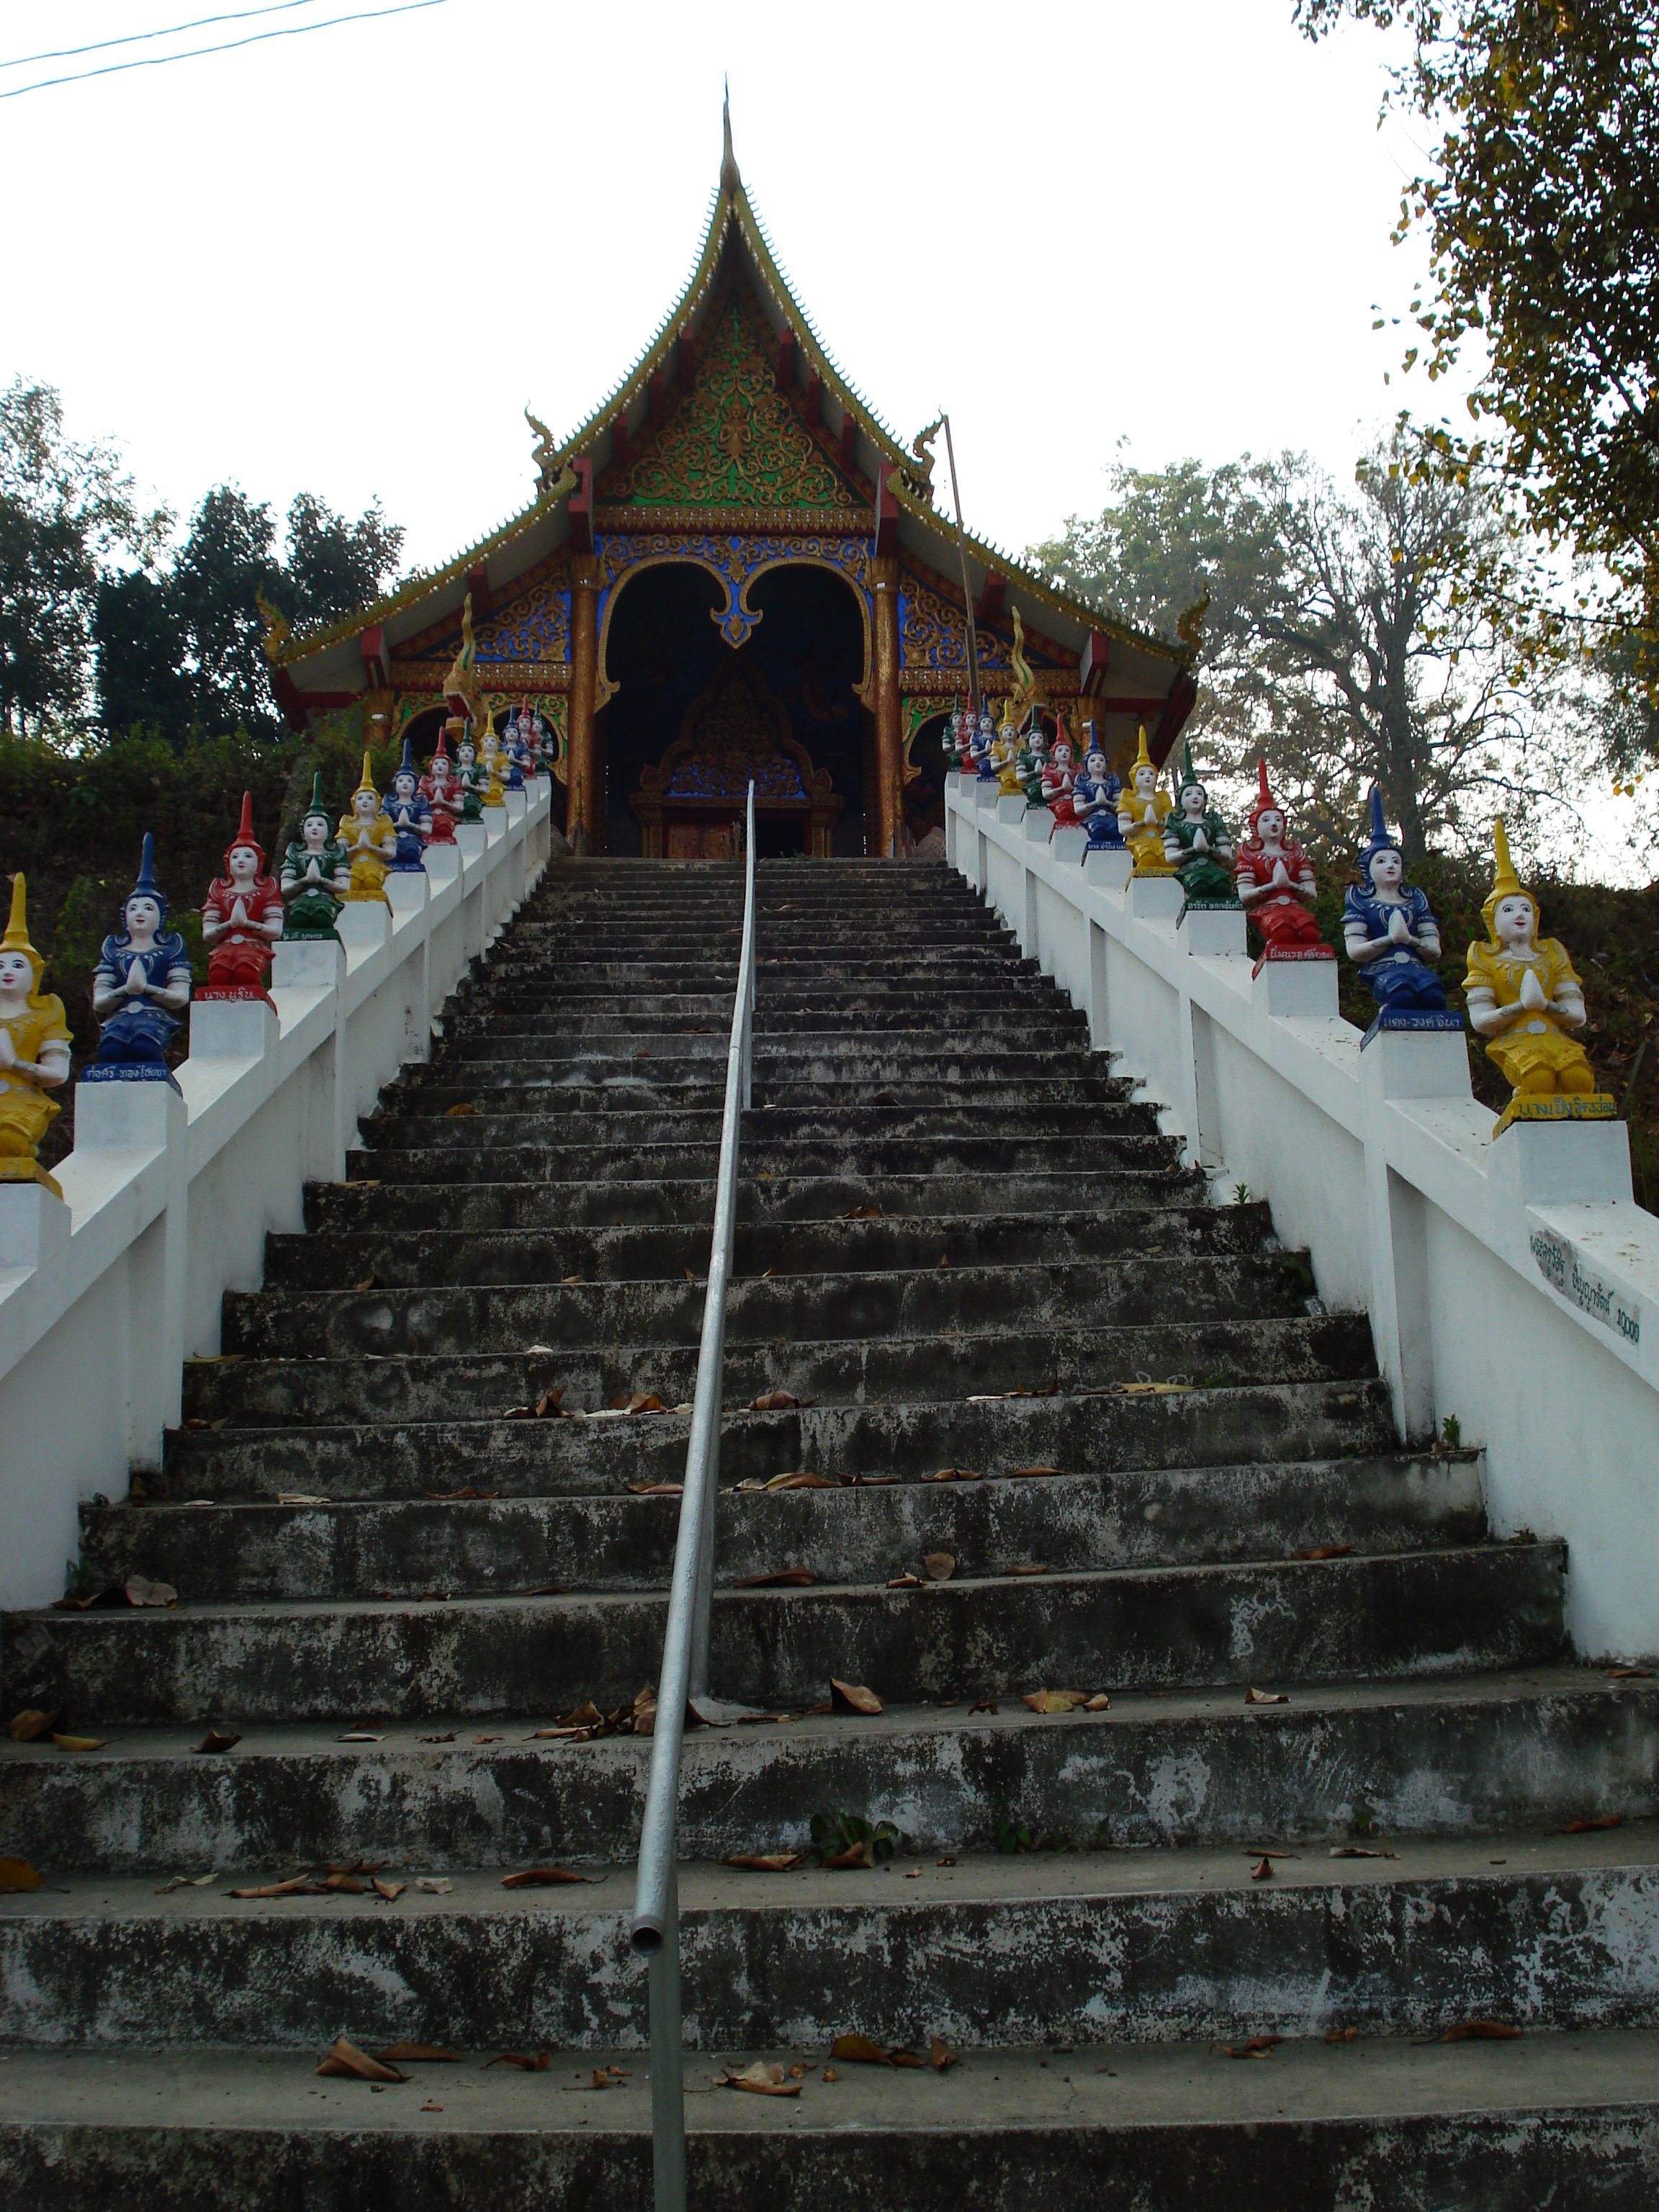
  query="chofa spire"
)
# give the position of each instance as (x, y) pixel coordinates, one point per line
(731, 182)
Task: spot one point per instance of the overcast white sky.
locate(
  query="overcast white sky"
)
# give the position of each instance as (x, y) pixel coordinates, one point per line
(344, 262)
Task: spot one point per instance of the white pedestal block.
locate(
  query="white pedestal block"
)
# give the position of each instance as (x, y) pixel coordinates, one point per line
(471, 840)
(1212, 935)
(231, 1029)
(1069, 843)
(1155, 899)
(1011, 807)
(1296, 989)
(1563, 1163)
(1416, 1064)
(405, 893)
(443, 864)
(34, 1227)
(1037, 825)
(126, 1117)
(494, 821)
(308, 963)
(1109, 870)
(516, 803)
(362, 925)
(963, 782)
(986, 792)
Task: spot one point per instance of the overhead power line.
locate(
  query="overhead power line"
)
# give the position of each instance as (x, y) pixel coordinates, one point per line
(137, 37)
(228, 46)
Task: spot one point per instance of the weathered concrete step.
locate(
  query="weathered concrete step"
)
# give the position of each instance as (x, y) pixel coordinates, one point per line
(408, 1548)
(1558, 2120)
(788, 1039)
(1468, 1757)
(533, 1458)
(1073, 1950)
(1115, 1143)
(409, 1258)
(918, 1012)
(842, 1065)
(1072, 1295)
(1424, 1613)
(1006, 1128)
(1308, 1348)
(340, 1207)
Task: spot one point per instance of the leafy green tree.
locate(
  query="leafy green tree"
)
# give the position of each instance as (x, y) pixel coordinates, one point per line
(334, 567)
(1540, 208)
(66, 511)
(1338, 637)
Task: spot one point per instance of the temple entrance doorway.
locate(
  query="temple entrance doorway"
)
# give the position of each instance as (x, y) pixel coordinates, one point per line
(693, 718)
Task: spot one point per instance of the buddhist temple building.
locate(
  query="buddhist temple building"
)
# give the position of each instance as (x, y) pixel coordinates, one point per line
(733, 569)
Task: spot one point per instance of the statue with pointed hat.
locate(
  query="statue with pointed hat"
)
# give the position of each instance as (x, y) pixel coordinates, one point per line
(241, 918)
(1004, 759)
(1196, 843)
(490, 765)
(471, 781)
(1275, 881)
(1141, 808)
(1095, 796)
(1392, 937)
(1524, 997)
(370, 841)
(443, 795)
(411, 817)
(316, 874)
(140, 986)
(35, 1051)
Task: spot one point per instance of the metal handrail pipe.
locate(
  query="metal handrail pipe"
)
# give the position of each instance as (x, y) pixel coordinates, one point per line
(655, 1927)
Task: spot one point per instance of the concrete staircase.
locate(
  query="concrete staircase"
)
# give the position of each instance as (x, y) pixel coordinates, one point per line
(947, 1201)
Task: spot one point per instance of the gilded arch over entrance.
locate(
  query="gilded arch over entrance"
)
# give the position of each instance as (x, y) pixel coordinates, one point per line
(736, 561)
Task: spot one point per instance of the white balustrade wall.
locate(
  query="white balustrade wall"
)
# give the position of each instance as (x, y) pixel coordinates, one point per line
(1511, 1284)
(168, 1199)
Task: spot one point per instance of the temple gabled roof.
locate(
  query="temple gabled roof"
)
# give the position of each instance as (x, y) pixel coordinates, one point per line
(844, 459)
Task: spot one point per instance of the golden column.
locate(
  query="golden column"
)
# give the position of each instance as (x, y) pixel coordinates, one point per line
(890, 753)
(582, 796)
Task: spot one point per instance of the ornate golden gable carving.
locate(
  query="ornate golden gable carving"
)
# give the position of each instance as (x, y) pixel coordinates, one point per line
(734, 439)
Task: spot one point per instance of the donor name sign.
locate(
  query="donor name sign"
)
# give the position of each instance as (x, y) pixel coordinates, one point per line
(1562, 1269)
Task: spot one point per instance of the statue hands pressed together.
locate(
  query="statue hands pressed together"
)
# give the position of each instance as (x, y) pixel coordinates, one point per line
(410, 812)
(140, 985)
(34, 1050)
(1275, 881)
(1196, 844)
(1095, 796)
(1390, 935)
(1141, 809)
(1524, 996)
(316, 874)
(369, 839)
(241, 916)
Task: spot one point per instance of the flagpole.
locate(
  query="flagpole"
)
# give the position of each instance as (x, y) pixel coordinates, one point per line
(967, 593)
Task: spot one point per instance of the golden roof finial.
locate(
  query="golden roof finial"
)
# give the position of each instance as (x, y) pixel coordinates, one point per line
(731, 182)
(276, 622)
(1189, 628)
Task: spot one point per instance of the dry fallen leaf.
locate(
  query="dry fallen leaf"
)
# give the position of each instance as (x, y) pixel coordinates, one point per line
(358, 1735)
(860, 2050)
(346, 1884)
(1360, 1852)
(1029, 1567)
(298, 1497)
(765, 1861)
(1099, 1703)
(905, 1581)
(985, 1705)
(1481, 2031)
(346, 2058)
(1266, 1698)
(79, 1742)
(1019, 1471)
(538, 2064)
(830, 2074)
(1628, 1674)
(16, 1876)
(33, 1723)
(760, 2079)
(547, 1877)
(1053, 1701)
(784, 1577)
(217, 1740)
(141, 1591)
(1259, 2047)
(295, 1886)
(1324, 1552)
(940, 1566)
(1573, 1827)
(448, 1738)
(943, 1262)
(452, 1113)
(767, 1273)
(941, 2054)
(803, 1481)
(953, 1474)
(448, 1496)
(391, 1890)
(1263, 1870)
(418, 2054)
(435, 1885)
(656, 1489)
(366, 1284)
(430, 2108)
(1341, 2035)
(851, 1697)
(568, 1281)
(862, 1214)
(775, 1401)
